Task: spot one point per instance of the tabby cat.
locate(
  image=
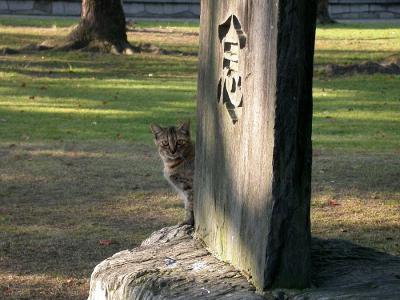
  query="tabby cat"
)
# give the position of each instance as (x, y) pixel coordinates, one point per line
(177, 153)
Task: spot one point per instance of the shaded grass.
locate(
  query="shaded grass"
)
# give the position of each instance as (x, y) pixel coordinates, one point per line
(78, 165)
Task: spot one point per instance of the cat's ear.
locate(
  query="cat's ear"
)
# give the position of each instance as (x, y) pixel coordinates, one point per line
(156, 129)
(184, 127)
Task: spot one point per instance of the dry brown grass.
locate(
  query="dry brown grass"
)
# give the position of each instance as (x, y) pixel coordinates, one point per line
(60, 199)
(357, 197)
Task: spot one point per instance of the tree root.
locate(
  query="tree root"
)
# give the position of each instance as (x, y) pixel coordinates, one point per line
(97, 46)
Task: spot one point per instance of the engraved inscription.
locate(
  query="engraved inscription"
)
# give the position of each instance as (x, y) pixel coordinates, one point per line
(230, 84)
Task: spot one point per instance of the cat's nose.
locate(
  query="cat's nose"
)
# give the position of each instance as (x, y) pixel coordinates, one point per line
(172, 149)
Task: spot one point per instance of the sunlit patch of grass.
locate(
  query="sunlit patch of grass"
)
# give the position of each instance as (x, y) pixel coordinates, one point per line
(357, 113)
(15, 37)
(77, 96)
(352, 43)
(33, 286)
(170, 39)
(20, 21)
(369, 223)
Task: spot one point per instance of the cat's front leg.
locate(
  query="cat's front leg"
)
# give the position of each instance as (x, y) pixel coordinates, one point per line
(189, 215)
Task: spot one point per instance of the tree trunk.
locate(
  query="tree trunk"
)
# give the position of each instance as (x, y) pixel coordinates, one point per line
(103, 26)
(323, 16)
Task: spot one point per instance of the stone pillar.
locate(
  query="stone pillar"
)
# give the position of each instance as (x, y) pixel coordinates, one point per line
(253, 147)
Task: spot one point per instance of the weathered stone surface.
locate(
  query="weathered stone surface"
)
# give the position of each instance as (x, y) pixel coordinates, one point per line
(168, 265)
(171, 265)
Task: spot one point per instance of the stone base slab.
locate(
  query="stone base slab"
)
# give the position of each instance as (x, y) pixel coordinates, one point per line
(170, 264)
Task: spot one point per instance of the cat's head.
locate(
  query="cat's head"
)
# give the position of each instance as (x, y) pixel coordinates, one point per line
(173, 142)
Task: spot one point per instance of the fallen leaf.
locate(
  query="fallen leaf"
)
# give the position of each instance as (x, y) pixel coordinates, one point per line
(106, 242)
(333, 202)
(7, 291)
(316, 152)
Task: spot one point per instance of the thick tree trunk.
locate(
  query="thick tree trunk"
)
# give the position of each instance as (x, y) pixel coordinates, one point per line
(103, 23)
(323, 16)
(102, 28)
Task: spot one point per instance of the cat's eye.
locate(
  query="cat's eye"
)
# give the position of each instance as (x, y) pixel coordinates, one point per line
(164, 143)
(181, 142)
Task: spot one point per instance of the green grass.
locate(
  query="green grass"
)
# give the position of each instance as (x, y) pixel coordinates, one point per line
(352, 43)
(33, 22)
(26, 21)
(93, 97)
(78, 164)
(357, 114)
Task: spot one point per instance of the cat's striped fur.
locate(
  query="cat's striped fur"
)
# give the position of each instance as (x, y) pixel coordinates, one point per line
(177, 153)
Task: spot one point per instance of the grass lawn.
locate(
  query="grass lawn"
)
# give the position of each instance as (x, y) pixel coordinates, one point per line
(78, 165)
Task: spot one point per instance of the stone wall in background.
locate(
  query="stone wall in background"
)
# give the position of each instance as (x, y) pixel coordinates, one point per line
(190, 9)
(364, 9)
